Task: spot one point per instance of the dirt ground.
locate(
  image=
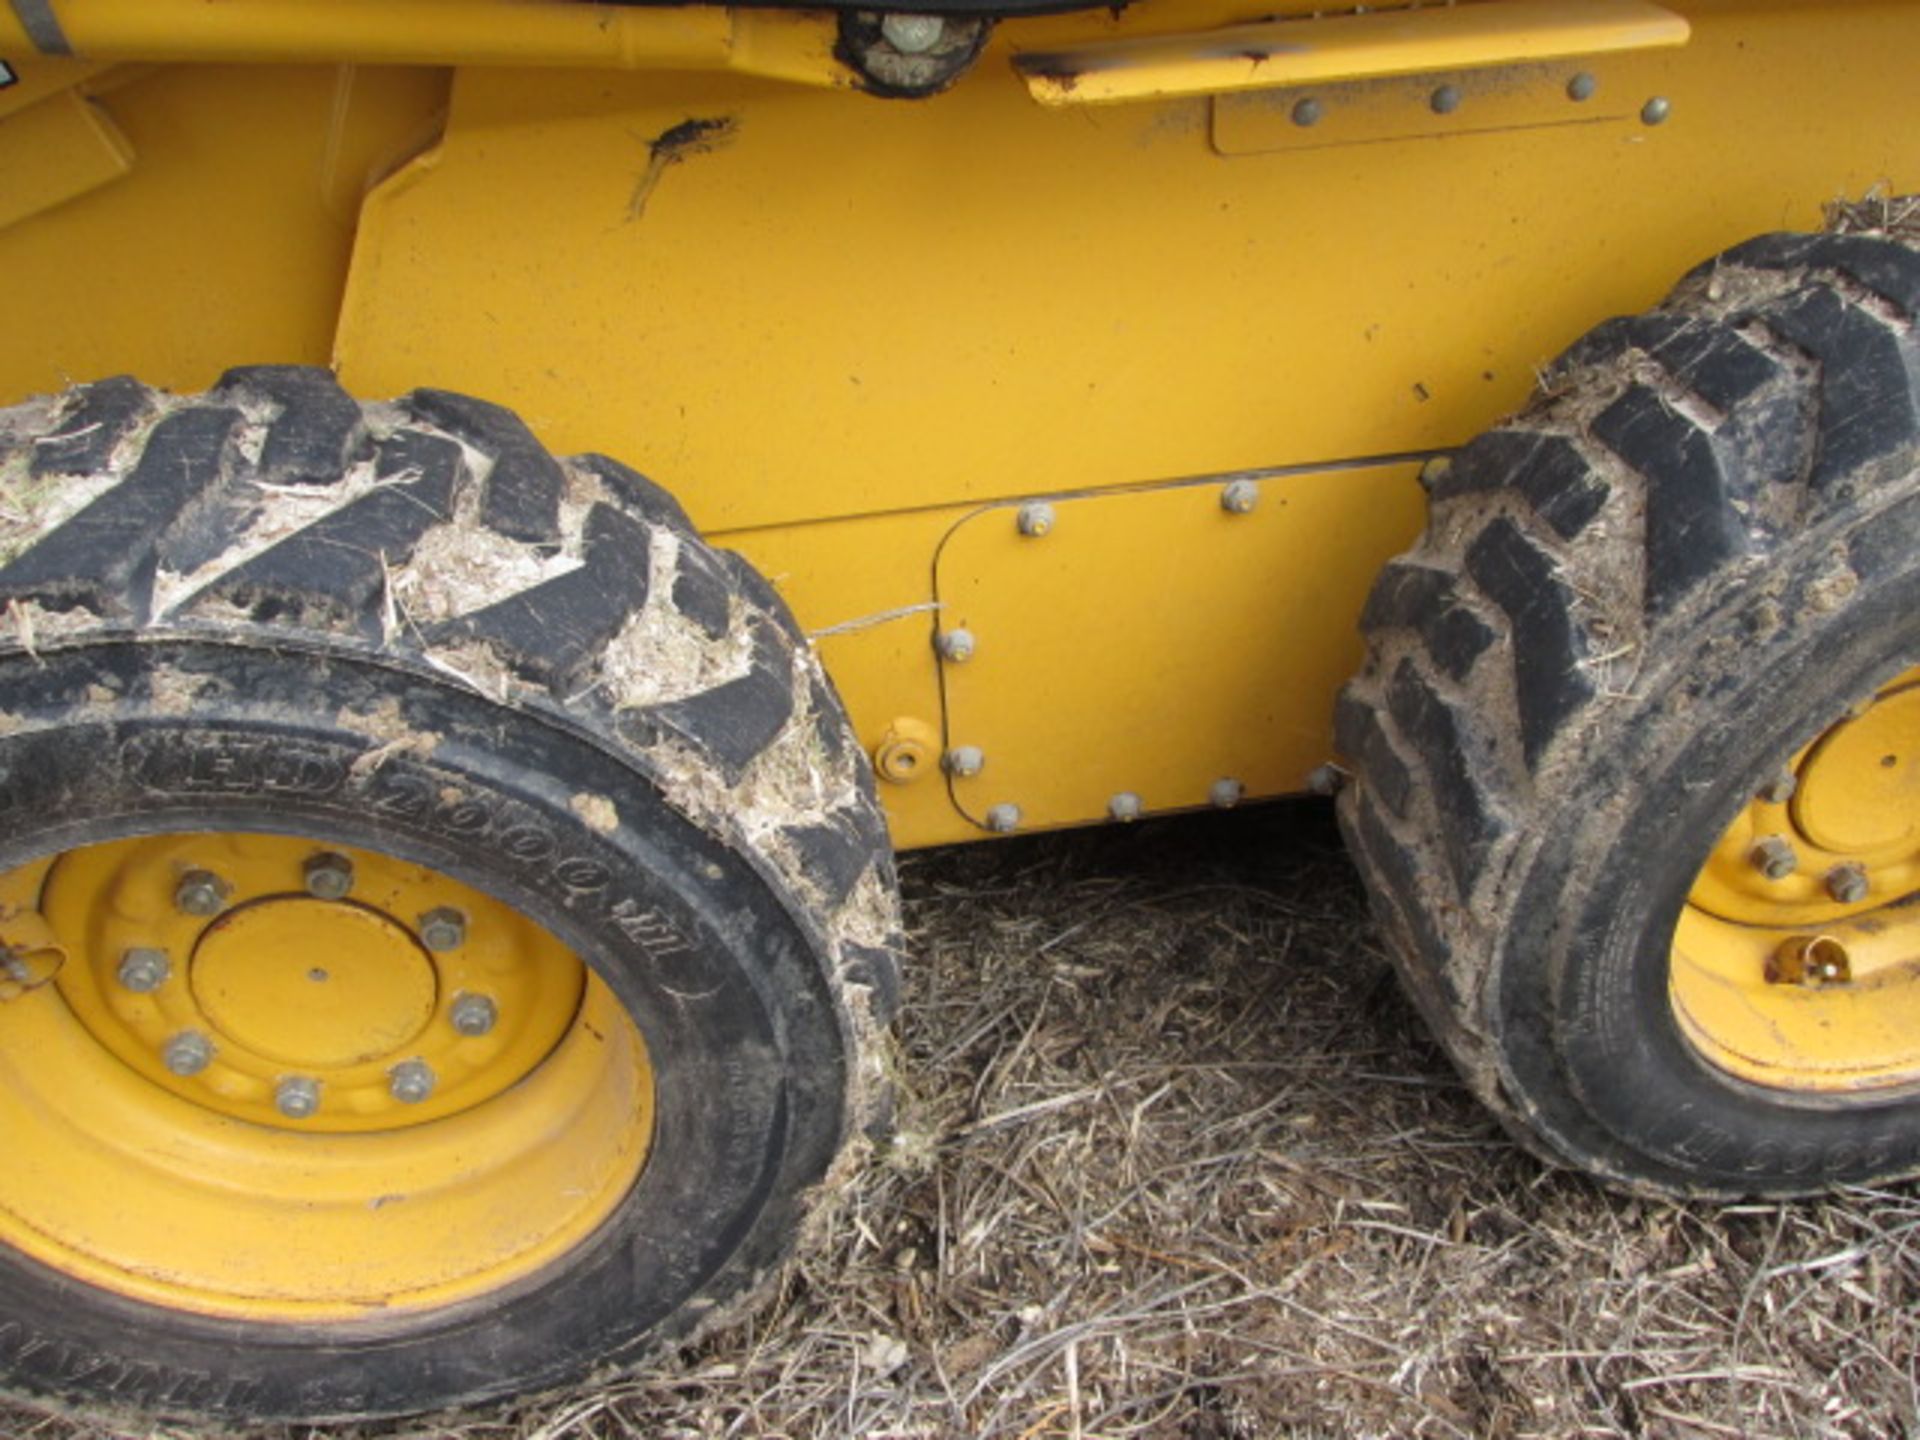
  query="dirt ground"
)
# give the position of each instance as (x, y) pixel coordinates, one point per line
(1178, 1162)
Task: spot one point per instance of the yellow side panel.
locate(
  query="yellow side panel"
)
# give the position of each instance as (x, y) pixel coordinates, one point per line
(1154, 643)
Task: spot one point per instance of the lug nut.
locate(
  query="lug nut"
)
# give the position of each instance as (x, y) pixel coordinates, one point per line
(1239, 496)
(329, 876)
(1779, 790)
(1003, 819)
(964, 761)
(1125, 806)
(296, 1097)
(143, 969)
(187, 1053)
(1847, 883)
(913, 34)
(1774, 857)
(201, 892)
(442, 930)
(1325, 780)
(1035, 519)
(1226, 793)
(473, 1015)
(956, 645)
(411, 1081)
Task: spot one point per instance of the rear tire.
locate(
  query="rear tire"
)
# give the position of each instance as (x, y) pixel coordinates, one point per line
(1635, 606)
(274, 617)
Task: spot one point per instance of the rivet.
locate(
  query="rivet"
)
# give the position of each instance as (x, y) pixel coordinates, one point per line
(1307, 112)
(1445, 100)
(201, 892)
(1847, 883)
(442, 930)
(1780, 789)
(964, 760)
(472, 1015)
(296, 1097)
(1125, 806)
(411, 1081)
(329, 876)
(1003, 819)
(187, 1053)
(1655, 110)
(1326, 779)
(913, 34)
(1226, 793)
(956, 645)
(1774, 857)
(1035, 519)
(1239, 496)
(143, 969)
(1435, 472)
(1582, 87)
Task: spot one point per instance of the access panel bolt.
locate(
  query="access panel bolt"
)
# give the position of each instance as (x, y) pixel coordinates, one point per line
(143, 970)
(1582, 87)
(1125, 806)
(187, 1053)
(296, 1097)
(1003, 819)
(1773, 857)
(1306, 112)
(1445, 100)
(1655, 110)
(411, 1081)
(329, 876)
(1239, 496)
(473, 1015)
(1847, 883)
(1226, 793)
(956, 646)
(201, 892)
(443, 930)
(965, 761)
(913, 34)
(1035, 519)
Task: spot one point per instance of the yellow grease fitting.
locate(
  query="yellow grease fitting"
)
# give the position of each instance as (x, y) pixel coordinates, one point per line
(123, 1183)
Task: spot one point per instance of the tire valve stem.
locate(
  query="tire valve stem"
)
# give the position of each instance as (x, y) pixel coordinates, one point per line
(1810, 960)
(1774, 857)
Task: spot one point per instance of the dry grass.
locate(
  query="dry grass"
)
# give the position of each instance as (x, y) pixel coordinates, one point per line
(1180, 1163)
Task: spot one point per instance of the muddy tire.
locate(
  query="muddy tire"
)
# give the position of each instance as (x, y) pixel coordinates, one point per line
(277, 664)
(1647, 621)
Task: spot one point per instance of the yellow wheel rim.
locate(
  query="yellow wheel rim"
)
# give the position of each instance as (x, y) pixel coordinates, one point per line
(282, 1081)
(1796, 963)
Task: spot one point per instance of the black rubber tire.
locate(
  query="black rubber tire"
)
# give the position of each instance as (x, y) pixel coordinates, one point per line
(1631, 604)
(407, 627)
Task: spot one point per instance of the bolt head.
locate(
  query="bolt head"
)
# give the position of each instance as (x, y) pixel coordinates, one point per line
(1434, 472)
(411, 1081)
(964, 761)
(1035, 519)
(1325, 779)
(1445, 100)
(1226, 793)
(329, 876)
(201, 892)
(913, 34)
(1774, 857)
(1582, 87)
(1656, 110)
(1239, 496)
(1003, 819)
(296, 1097)
(1307, 112)
(956, 646)
(473, 1015)
(1847, 884)
(1125, 806)
(187, 1053)
(443, 930)
(143, 969)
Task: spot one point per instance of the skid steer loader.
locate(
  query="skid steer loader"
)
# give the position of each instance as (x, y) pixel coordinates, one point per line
(512, 510)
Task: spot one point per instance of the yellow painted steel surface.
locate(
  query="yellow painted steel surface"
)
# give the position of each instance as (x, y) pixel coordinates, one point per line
(192, 1190)
(1741, 987)
(836, 326)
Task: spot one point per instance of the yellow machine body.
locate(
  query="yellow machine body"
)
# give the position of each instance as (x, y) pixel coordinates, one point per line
(1125, 262)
